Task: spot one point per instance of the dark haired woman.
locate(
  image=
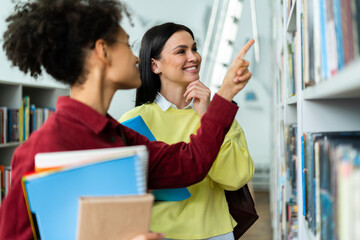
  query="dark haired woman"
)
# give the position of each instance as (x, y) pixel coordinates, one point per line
(169, 69)
(80, 42)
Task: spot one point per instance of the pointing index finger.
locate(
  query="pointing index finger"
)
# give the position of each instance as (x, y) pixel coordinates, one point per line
(245, 48)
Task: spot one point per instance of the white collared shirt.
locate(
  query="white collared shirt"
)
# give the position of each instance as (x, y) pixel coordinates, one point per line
(164, 104)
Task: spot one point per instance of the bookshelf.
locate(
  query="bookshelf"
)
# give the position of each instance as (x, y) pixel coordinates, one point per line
(42, 94)
(316, 101)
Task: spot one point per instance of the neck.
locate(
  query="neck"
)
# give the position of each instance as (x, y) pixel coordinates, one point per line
(174, 93)
(93, 92)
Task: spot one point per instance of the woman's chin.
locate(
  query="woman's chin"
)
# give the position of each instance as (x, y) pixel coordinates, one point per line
(195, 78)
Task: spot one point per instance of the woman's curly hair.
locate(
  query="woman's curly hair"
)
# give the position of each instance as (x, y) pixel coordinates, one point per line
(55, 34)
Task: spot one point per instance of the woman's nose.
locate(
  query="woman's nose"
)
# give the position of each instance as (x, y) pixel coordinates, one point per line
(191, 56)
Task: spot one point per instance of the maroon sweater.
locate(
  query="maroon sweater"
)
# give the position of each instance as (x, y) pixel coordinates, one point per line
(76, 126)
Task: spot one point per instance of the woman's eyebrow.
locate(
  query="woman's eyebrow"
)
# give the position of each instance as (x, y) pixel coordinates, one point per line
(180, 46)
(183, 46)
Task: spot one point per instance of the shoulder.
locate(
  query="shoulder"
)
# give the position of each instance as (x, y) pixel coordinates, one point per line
(235, 128)
(142, 110)
(236, 125)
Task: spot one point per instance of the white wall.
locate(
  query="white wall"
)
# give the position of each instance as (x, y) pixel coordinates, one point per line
(255, 116)
(8, 72)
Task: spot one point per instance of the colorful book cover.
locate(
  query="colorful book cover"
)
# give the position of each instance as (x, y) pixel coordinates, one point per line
(52, 196)
(176, 194)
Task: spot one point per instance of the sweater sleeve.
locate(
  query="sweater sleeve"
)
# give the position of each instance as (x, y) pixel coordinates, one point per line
(183, 164)
(233, 167)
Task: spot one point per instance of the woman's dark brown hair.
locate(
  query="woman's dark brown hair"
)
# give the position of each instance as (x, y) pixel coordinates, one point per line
(151, 46)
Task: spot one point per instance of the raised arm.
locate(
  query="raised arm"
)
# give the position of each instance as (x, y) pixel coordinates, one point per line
(237, 76)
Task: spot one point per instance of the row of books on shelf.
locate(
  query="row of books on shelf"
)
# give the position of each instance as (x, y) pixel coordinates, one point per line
(331, 37)
(16, 124)
(331, 40)
(332, 184)
(5, 176)
(290, 212)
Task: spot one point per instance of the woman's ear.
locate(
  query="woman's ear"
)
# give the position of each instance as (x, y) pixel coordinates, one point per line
(154, 66)
(102, 51)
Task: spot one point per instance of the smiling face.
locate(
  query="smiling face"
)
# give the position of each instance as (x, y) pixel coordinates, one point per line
(179, 60)
(123, 71)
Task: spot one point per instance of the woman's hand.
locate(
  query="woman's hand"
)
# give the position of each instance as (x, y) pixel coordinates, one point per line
(201, 94)
(149, 236)
(238, 74)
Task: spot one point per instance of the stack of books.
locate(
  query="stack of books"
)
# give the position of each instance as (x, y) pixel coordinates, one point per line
(66, 187)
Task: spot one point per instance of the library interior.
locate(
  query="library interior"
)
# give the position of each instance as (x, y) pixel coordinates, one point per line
(300, 112)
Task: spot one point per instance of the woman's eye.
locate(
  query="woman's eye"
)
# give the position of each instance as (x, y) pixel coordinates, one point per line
(194, 49)
(181, 51)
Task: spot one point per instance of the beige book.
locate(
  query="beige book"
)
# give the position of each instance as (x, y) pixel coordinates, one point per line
(114, 217)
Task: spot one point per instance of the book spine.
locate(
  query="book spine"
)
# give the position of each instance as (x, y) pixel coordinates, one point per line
(26, 105)
(339, 34)
(21, 124)
(324, 44)
(2, 123)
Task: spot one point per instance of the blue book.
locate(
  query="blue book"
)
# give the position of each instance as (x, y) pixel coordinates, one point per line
(303, 175)
(52, 196)
(138, 124)
(176, 194)
(339, 33)
(324, 43)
